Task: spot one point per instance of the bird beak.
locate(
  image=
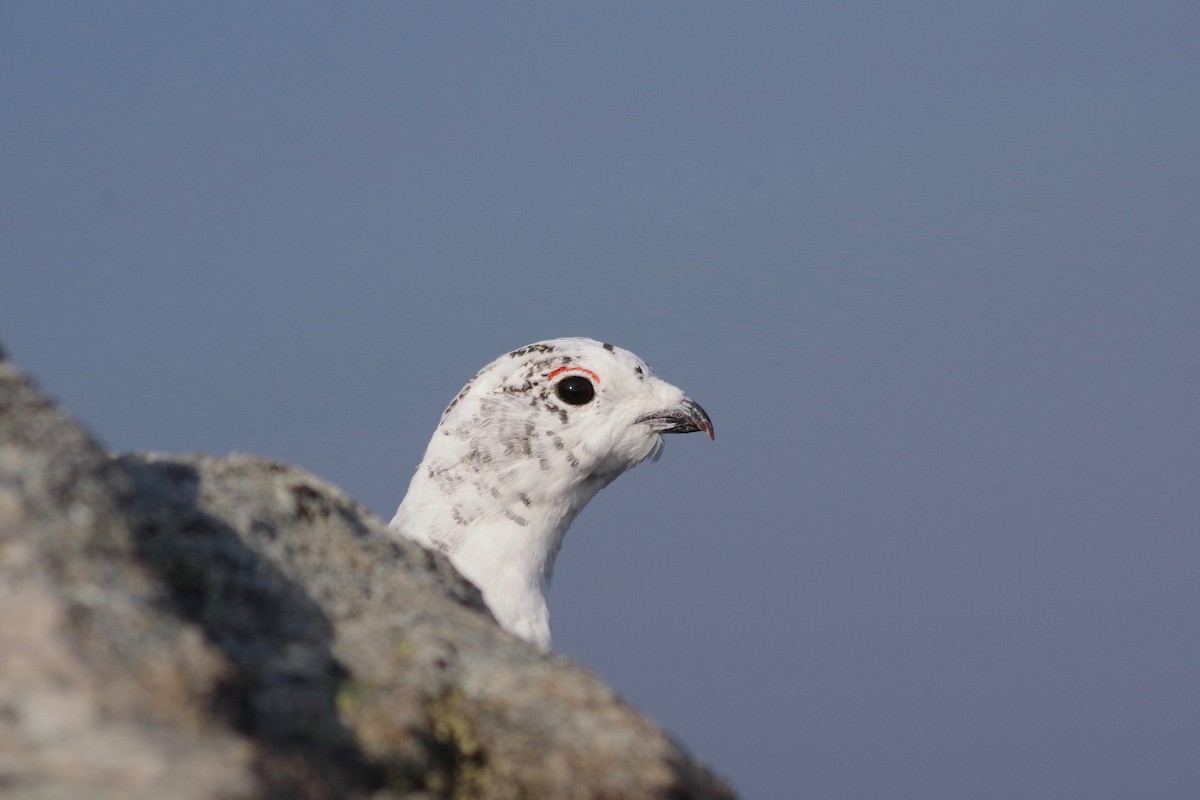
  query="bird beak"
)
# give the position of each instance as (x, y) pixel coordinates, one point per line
(686, 417)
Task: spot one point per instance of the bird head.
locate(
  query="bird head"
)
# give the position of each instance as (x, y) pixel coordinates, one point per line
(591, 410)
(523, 447)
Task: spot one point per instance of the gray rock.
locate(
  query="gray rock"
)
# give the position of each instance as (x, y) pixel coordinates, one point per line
(201, 628)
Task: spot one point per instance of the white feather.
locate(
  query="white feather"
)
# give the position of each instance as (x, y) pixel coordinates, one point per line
(511, 465)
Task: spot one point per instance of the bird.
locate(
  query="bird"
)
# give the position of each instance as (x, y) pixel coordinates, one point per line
(519, 452)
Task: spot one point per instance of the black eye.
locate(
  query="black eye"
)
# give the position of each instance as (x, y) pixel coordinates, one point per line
(575, 390)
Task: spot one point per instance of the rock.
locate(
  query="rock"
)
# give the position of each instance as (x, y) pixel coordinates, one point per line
(201, 628)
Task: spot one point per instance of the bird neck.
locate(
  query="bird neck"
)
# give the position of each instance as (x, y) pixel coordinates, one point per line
(503, 541)
(512, 565)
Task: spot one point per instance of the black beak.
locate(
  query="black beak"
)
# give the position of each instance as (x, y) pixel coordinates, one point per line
(687, 417)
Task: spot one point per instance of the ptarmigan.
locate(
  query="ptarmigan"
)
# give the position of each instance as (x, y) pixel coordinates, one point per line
(521, 450)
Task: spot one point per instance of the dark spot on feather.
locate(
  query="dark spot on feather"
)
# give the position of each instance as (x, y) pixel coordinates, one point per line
(525, 499)
(462, 393)
(517, 518)
(533, 348)
(477, 458)
(444, 476)
(553, 409)
(607, 347)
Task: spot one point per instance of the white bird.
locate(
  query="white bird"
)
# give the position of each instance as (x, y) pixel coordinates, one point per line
(521, 450)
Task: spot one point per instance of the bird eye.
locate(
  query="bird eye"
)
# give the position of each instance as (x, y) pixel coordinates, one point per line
(575, 390)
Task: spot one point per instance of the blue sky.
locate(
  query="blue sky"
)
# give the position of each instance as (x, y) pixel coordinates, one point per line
(931, 268)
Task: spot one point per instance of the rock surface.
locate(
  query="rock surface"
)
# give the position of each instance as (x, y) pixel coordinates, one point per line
(203, 628)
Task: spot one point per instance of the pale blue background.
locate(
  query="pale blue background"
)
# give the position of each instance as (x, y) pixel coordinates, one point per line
(931, 267)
